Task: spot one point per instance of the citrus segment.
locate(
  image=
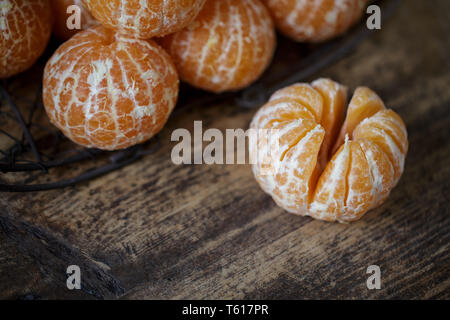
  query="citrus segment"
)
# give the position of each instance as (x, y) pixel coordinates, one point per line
(304, 95)
(381, 171)
(364, 103)
(334, 99)
(388, 131)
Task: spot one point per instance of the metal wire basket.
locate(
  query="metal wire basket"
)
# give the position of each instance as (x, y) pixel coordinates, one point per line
(29, 143)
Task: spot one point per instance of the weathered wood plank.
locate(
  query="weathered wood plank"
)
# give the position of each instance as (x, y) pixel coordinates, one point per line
(156, 230)
(23, 278)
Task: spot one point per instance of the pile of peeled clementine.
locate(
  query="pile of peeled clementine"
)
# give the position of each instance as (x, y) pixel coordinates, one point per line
(114, 82)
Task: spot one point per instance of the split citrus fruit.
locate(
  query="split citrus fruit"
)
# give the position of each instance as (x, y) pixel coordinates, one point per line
(227, 47)
(25, 28)
(145, 18)
(61, 17)
(107, 91)
(324, 166)
(315, 20)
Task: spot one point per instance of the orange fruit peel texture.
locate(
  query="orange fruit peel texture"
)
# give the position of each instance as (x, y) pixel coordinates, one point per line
(315, 20)
(310, 177)
(226, 48)
(25, 28)
(145, 19)
(106, 91)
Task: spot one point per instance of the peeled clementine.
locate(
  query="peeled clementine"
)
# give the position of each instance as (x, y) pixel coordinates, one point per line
(315, 20)
(61, 16)
(145, 18)
(25, 28)
(327, 167)
(106, 91)
(227, 47)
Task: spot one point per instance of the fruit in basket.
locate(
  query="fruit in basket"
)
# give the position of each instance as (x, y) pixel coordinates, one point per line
(106, 91)
(145, 19)
(61, 17)
(315, 20)
(25, 28)
(227, 47)
(353, 176)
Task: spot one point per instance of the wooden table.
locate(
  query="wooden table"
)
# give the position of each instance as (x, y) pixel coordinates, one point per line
(157, 230)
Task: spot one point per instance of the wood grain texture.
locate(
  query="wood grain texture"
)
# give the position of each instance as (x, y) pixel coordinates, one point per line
(23, 279)
(156, 230)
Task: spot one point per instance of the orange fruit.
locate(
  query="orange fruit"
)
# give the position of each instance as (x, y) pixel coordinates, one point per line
(59, 9)
(145, 19)
(25, 28)
(227, 47)
(310, 177)
(315, 20)
(105, 91)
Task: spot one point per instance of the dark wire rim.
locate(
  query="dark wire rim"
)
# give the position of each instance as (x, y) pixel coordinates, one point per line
(251, 97)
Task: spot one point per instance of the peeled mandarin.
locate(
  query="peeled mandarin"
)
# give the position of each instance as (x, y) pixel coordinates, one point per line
(322, 165)
(227, 47)
(145, 19)
(61, 16)
(315, 20)
(105, 91)
(25, 28)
